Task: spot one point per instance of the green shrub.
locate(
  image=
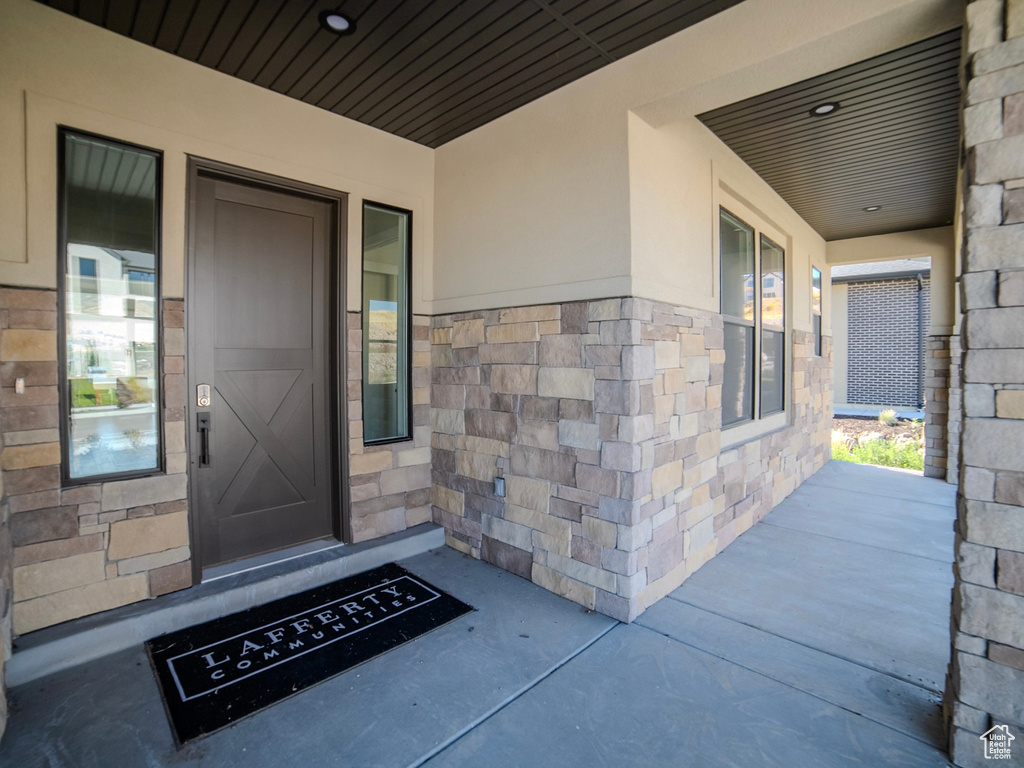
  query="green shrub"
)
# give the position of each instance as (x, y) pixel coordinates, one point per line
(904, 454)
(888, 418)
(82, 393)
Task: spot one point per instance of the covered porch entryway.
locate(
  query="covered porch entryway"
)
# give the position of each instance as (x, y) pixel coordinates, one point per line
(818, 639)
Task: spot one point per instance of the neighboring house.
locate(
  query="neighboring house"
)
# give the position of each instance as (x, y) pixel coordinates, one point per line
(584, 247)
(881, 317)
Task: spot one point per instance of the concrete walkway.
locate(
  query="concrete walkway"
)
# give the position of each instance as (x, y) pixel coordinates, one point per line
(819, 638)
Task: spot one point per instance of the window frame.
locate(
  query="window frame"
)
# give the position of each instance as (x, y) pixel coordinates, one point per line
(818, 311)
(729, 319)
(408, 326)
(763, 328)
(64, 385)
(738, 432)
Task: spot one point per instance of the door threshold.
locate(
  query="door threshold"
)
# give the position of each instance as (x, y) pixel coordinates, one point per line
(267, 558)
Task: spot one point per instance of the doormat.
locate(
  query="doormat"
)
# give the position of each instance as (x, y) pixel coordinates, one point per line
(216, 673)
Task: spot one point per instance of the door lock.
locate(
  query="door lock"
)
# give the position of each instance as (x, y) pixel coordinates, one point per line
(203, 395)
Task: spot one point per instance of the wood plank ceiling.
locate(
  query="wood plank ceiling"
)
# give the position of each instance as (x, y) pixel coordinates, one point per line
(892, 142)
(426, 70)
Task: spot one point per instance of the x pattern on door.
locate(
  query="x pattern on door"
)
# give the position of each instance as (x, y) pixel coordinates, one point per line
(267, 416)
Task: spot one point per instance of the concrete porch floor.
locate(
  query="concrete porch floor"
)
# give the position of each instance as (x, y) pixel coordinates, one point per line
(819, 638)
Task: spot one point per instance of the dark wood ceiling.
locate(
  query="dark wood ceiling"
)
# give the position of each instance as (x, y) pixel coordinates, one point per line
(426, 70)
(893, 142)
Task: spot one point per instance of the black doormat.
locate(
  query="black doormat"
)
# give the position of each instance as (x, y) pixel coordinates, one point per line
(215, 673)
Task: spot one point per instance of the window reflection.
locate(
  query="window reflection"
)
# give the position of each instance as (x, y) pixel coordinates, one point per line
(385, 323)
(773, 290)
(737, 247)
(816, 308)
(110, 307)
(753, 323)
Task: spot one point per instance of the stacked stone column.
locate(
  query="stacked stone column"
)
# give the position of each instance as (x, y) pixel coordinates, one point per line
(986, 679)
(937, 406)
(6, 598)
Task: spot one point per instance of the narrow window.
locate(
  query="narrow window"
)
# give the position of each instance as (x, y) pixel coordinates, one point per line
(773, 327)
(386, 323)
(737, 248)
(109, 225)
(816, 308)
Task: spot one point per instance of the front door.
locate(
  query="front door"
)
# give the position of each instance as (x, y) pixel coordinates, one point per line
(259, 310)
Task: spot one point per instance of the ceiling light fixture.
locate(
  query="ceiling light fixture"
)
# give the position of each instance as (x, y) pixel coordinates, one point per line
(825, 109)
(873, 208)
(334, 22)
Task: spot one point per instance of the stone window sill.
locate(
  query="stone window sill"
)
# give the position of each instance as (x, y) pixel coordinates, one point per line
(733, 437)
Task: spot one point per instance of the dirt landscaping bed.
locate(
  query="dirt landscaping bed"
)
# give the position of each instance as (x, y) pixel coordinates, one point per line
(862, 427)
(867, 441)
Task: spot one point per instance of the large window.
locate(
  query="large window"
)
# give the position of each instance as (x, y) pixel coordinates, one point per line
(386, 323)
(109, 216)
(753, 269)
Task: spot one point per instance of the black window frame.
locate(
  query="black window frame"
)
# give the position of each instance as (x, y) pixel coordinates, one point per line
(409, 426)
(64, 385)
(817, 311)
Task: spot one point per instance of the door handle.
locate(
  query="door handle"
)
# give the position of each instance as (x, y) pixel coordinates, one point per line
(203, 425)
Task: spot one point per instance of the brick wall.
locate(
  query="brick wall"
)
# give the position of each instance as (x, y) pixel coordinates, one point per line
(604, 418)
(883, 350)
(86, 548)
(390, 484)
(985, 685)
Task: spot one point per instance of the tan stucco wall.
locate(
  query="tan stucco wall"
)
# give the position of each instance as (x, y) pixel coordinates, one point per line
(679, 176)
(58, 70)
(533, 207)
(936, 243)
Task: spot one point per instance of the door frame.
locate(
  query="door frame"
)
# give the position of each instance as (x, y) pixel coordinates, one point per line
(337, 394)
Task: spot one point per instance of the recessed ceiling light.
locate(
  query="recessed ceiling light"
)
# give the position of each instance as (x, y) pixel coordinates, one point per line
(825, 109)
(873, 208)
(333, 21)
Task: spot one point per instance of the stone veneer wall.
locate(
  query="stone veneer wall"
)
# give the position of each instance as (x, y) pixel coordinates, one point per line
(954, 424)
(6, 595)
(985, 685)
(87, 548)
(604, 419)
(390, 484)
(936, 405)
(955, 420)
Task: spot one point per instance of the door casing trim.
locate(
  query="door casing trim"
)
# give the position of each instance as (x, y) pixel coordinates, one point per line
(336, 334)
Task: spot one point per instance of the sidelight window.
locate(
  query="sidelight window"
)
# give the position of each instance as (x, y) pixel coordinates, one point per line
(387, 402)
(816, 308)
(109, 257)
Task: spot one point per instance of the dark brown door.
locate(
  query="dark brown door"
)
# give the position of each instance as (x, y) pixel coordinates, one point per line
(258, 338)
